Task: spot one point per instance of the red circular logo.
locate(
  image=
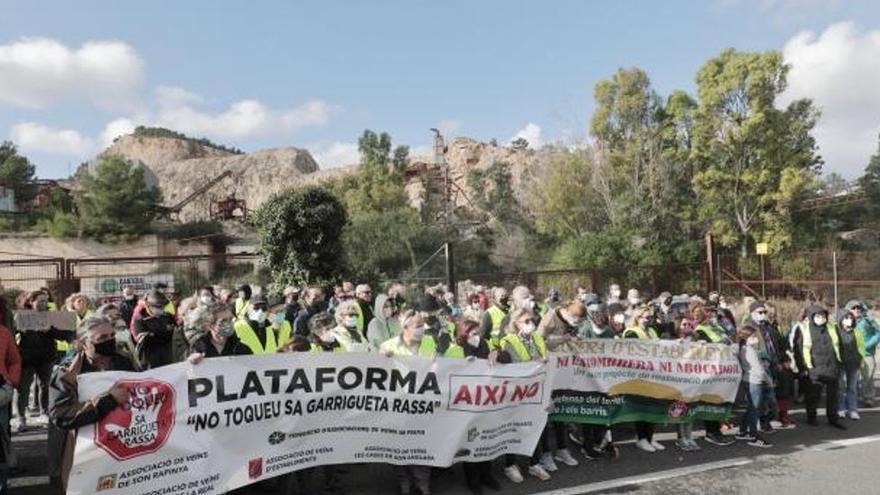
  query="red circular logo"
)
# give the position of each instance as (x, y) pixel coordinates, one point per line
(677, 409)
(140, 426)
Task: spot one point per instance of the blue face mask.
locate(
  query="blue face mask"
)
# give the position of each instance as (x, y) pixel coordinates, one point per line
(278, 319)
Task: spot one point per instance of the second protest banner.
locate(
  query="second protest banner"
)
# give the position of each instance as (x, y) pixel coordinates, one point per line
(608, 381)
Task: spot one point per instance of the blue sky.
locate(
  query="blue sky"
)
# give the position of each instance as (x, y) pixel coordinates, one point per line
(315, 74)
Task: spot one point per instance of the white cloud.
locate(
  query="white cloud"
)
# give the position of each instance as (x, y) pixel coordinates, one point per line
(32, 137)
(35, 72)
(532, 133)
(338, 154)
(838, 70)
(178, 110)
(116, 128)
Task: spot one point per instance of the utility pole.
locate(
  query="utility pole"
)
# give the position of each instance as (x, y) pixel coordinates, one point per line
(442, 165)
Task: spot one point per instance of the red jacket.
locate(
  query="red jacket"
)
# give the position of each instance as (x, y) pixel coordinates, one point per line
(10, 360)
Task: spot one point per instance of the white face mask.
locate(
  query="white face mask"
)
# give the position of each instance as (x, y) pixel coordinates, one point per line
(634, 301)
(847, 322)
(277, 319)
(752, 341)
(527, 329)
(619, 318)
(529, 304)
(206, 300)
(257, 315)
(475, 306)
(819, 320)
(760, 317)
(328, 337)
(351, 322)
(473, 341)
(418, 333)
(615, 293)
(593, 308)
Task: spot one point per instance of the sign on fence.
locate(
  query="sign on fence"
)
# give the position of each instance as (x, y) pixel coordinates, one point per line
(108, 287)
(27, 319)
(229, 422)
(609, 381)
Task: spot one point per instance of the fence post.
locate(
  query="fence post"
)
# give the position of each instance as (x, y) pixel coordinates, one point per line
(834, 265)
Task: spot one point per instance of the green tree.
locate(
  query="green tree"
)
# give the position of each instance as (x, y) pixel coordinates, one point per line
(565, 202)
(17, 173)
(520, 143)
(745, 149)
(113, 199)
(301, 236)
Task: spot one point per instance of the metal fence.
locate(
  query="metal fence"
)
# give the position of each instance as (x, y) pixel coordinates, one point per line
(821, 275)
(650, 280)
(188, 272)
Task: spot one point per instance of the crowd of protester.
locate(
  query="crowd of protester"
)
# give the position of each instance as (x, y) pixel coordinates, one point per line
(782, 361)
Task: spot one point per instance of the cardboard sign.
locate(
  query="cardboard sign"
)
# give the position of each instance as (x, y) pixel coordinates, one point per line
(27, 319)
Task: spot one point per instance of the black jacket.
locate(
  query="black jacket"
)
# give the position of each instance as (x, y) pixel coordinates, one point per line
(126, 309)
(38, 347)
(154, 345)
(826, 367)
(233, 347)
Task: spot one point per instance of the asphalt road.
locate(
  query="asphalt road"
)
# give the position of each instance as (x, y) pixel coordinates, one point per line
(803, 461)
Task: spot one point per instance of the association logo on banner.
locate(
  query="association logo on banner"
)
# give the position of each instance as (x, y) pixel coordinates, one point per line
(255, 468)
(141, 425)
(677, 409)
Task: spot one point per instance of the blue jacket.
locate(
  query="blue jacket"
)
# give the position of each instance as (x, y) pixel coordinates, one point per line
(870, 333)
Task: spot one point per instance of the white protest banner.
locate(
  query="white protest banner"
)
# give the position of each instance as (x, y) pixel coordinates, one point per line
(104, 287)
(28, 319)
(607, 381)
(228, 422)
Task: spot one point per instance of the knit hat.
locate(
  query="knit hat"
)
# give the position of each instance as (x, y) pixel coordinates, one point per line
(755, 306)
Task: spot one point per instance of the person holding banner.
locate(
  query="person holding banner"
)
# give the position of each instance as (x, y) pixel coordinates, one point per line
(521, 344)
(98, 353)
(411, 342)
(639, 329)
(219, 338)
(322, 338)
(706, 330)
(346, 330)
(467, 335)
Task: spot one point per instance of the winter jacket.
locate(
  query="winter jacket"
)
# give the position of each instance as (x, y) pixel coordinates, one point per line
(10, 360)
(67, 412)
(127, 308)
(825, 364)
(850, 348)
(233, 347)
(870, 334)
(154, 340)
(380, 328)
(753, 369)
(553, 328)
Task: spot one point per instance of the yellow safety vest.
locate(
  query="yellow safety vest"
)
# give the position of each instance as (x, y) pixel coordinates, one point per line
(709, 332)
(807, 340)
(360, 318)
(542, 309)
(641, 334)
(520, 353)
(170, 309)
(284, 333)
(241, 308)
(496, 316)
(248, 337)
(427, 348)
(313, 347)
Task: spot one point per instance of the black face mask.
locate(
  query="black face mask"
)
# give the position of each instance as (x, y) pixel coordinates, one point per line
(106, 348)
(433, 324)
(503, 302)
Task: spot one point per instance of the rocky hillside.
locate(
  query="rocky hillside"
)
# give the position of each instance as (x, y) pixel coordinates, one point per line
(180, 166)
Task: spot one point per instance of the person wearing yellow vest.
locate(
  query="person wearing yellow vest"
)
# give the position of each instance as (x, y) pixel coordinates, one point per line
(521, 343)
(277, 315)
(346, 330)
(817, 354)
(242, 302)
(639, 328)
(437, 323)
(322, 338)
(492, 324)
(706, 330)
(255, 330)
(412, 341)
(467, 336)
(363, 298)
(218, 338)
